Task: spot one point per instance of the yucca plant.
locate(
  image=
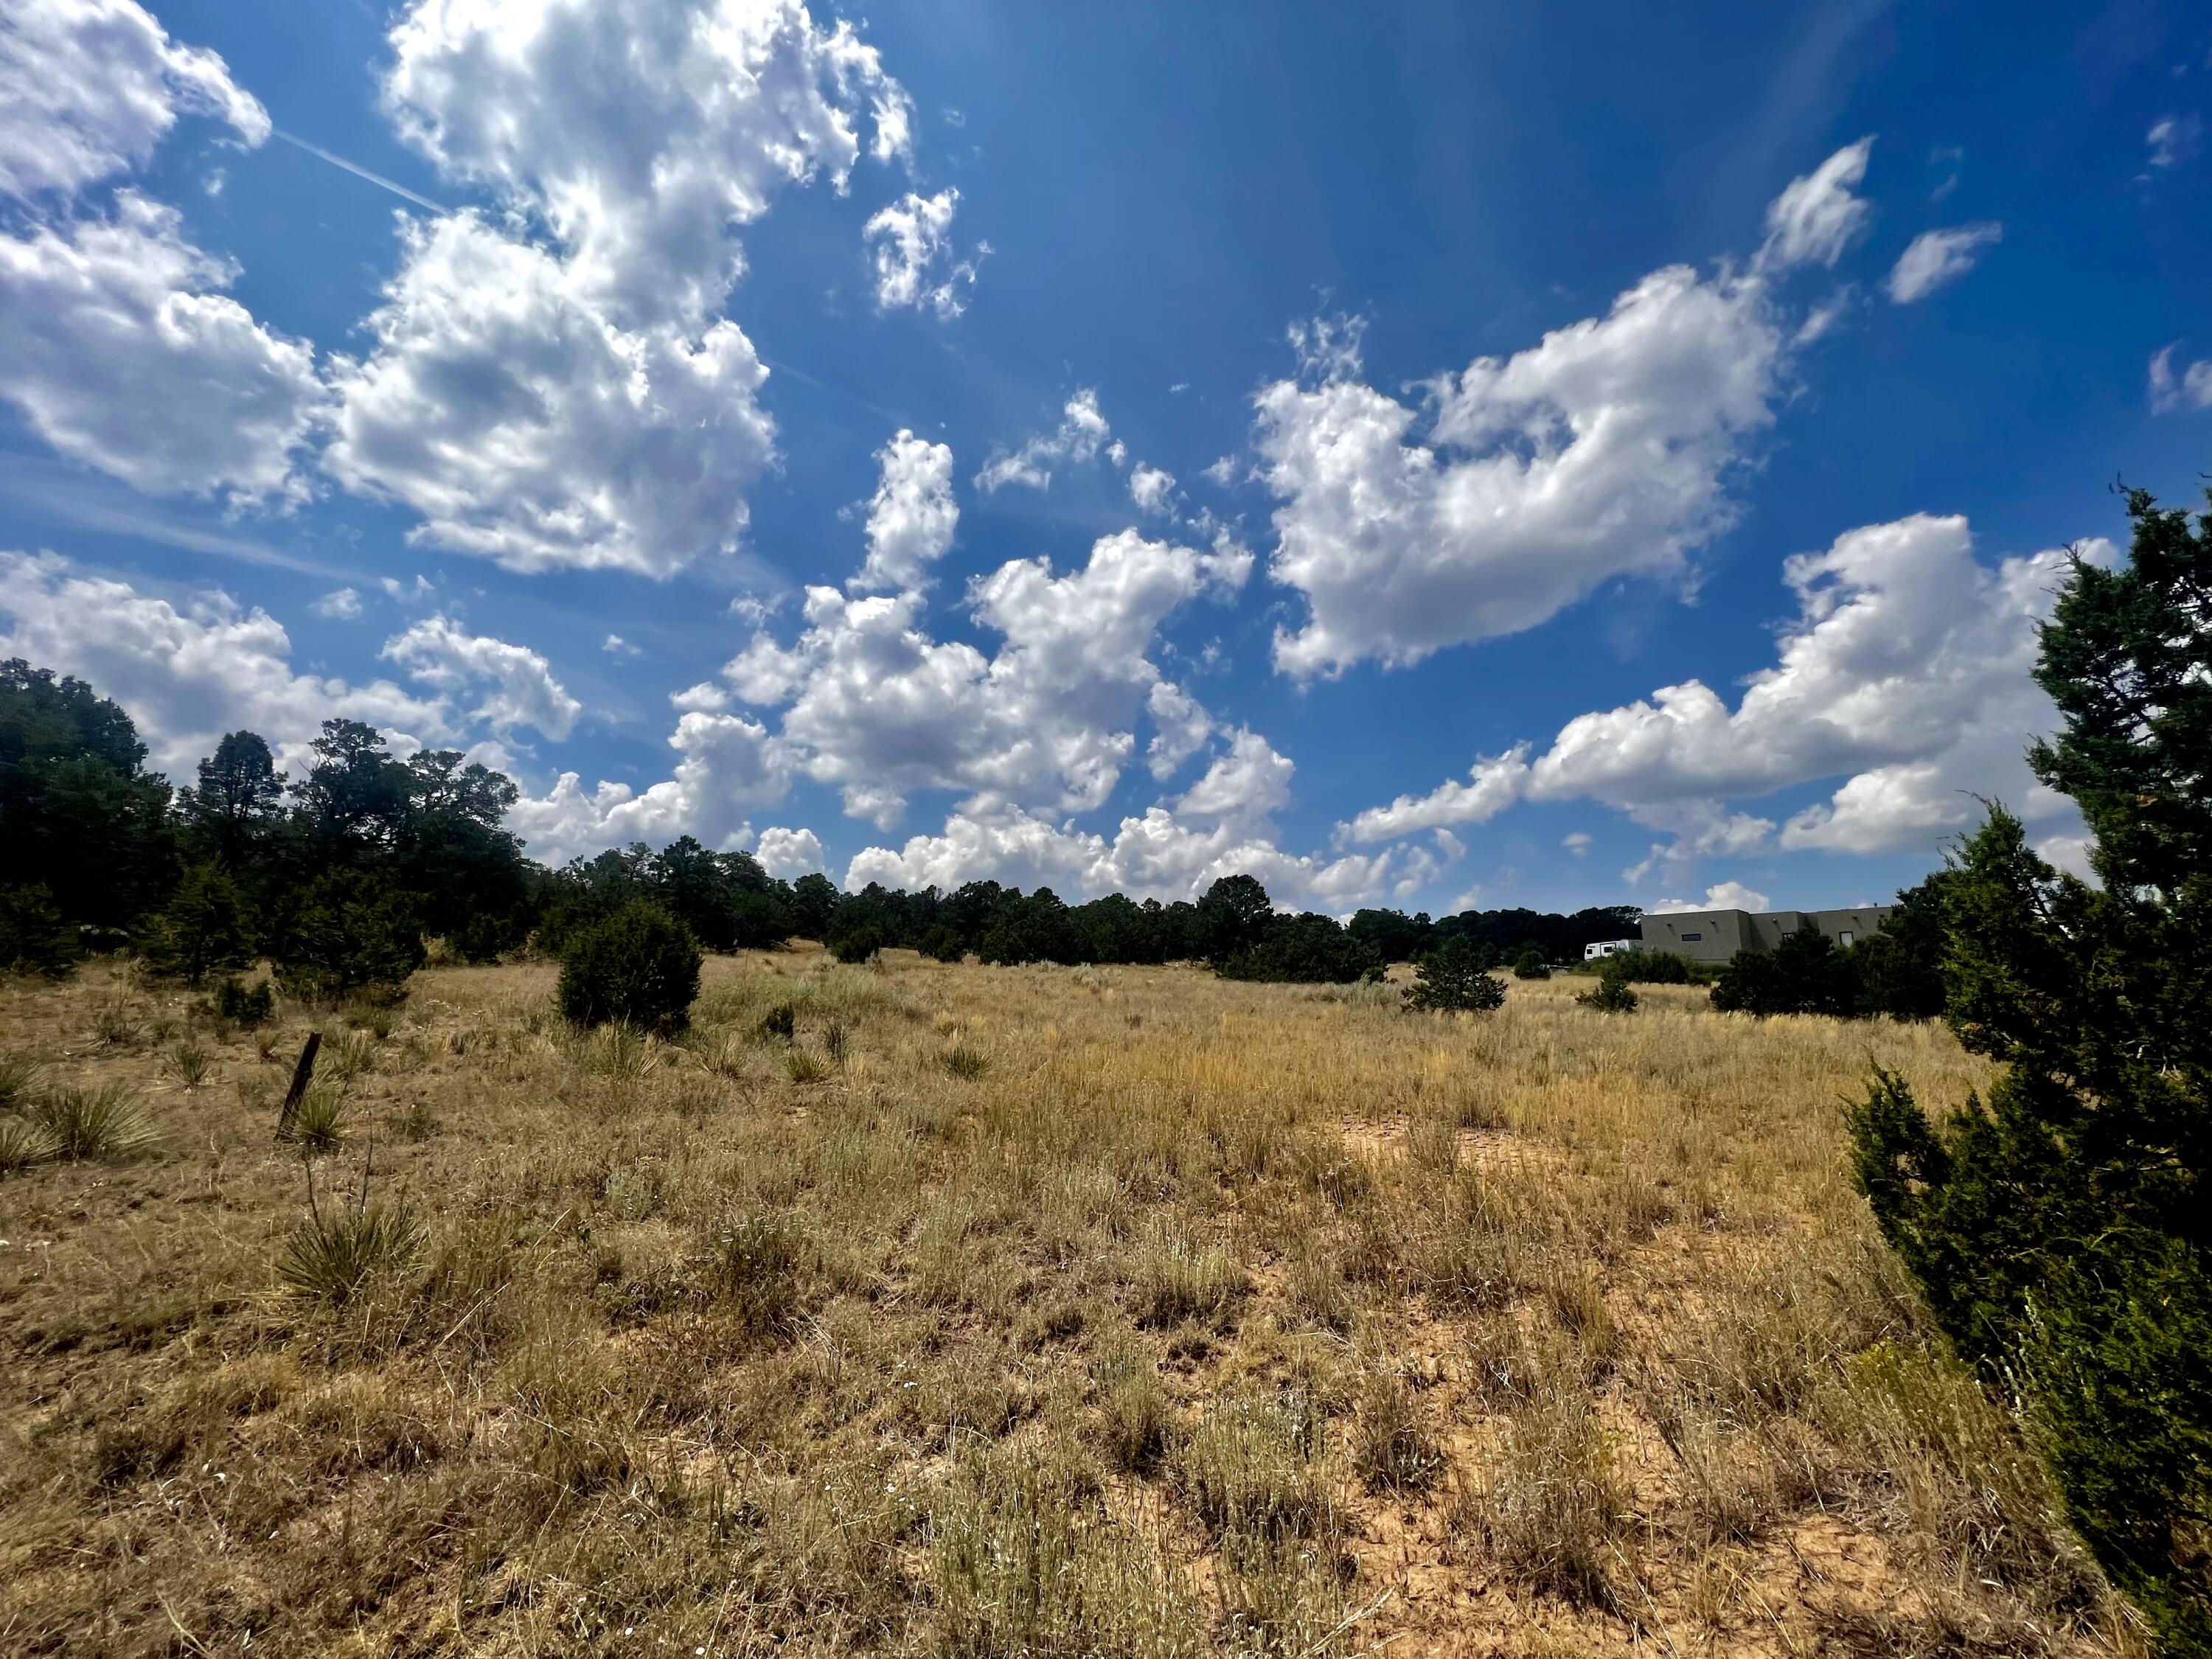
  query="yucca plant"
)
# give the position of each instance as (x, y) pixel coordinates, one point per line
(106, 1123)
(114, 1023)
(348, 1054)
(316, 1125)
(963, 1061)
(189, 1064)
(23, 1142)
(333, 1253)
(17, 1074)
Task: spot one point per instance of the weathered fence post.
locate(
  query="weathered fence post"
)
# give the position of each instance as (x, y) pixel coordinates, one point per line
(302, 1074)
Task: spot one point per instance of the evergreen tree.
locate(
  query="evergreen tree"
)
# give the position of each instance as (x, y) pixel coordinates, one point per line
(201, 930)
(239, 800)
(1303, 950)
(1232, 917)
(2060, 1228)
(353, 932)
(79, 815)
(815, 898)
(1804, 973)
(1899, 969)
(1451, 977)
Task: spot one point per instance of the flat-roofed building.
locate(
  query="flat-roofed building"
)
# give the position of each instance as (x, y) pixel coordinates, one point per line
(1717, 935)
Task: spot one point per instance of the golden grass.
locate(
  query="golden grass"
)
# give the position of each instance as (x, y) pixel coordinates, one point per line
(928, 1308)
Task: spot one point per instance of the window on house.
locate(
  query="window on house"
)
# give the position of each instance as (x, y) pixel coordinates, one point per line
(1692, 939)
(1844, 938)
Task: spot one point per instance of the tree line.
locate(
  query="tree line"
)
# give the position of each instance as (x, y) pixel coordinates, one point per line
(338, 875)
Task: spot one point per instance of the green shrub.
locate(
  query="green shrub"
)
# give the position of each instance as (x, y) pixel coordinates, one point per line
(1805, 974)
(857, 943)
(1302, 949)
(23, 1142)
(356, 934)
(1530, 965)
(33, 939)
(963, 1061)
(1451, 977)
(202, 929)
(1651, 968)
(317, 1123)
(1612, 994)
(17, 1074)
(941, 943)
(189, 1064)
(639, 967)
(245, 1004)
(481, 937)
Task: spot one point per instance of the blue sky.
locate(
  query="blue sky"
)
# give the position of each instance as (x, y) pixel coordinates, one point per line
(1404, 399)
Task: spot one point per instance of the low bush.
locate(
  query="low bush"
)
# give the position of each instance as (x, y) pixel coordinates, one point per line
(23, 1142)
(1451, 978)
(856, 945)
(1530, 965)
(482, 939)
(1612, 994)
(202, 931)
(356, 934)
(317, 1124)
(1651, 968)
(1805, 974)
(33, 939)
(245, 1004)
(638, 967)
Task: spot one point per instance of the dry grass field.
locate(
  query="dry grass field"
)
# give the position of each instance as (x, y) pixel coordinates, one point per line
(995, 1311)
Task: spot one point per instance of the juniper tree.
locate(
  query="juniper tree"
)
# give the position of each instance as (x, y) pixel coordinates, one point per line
(2060, 1228)
(1451, 977)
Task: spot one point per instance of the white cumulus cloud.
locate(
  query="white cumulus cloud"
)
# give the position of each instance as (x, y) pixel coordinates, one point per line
(915, 265)
(789, 854)
(119, 345)
(188, 673)
(440, 653)
(1081, 434)
(1604, 451)
(640, 134)
(89, 88)
(523, 424)
(1905, 672)
(913, 516)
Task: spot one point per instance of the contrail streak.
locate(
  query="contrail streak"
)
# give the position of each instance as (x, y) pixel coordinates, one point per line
(360, 172)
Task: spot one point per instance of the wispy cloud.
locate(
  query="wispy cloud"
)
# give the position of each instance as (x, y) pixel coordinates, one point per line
(63, 496)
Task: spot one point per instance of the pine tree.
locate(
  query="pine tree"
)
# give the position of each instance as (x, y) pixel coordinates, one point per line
(1451, 977)
(2060, 1229)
